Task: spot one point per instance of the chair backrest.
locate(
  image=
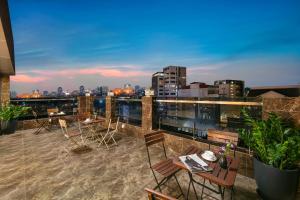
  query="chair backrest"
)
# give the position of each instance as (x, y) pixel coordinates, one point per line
(153, 195)
(109, 126)
(34, 114)
(154, 138)
(64, 127)
(222, 136)
(117, 124)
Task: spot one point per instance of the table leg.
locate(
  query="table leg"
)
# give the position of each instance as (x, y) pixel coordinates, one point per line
(192, 181)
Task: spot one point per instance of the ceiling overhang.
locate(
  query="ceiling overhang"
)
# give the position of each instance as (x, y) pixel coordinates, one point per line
(7, 62)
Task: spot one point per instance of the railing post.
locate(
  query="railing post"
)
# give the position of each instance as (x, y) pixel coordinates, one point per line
(110, 108)
(85, 104)
(147, 112)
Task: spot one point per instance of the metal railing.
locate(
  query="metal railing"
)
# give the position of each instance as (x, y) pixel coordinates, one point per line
(40, 105)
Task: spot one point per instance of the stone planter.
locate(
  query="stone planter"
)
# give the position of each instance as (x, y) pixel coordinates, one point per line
(275, 184)
(8, 127)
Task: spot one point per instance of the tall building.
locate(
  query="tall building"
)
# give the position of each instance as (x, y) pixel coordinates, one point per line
(81, 90)
(60, 91)
(158, 84)
(174, 79)
(230, 88)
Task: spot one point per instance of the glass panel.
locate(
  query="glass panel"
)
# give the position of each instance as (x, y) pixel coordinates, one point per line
(99, 106)
(67, 105)
(195, 117)
(129, 111)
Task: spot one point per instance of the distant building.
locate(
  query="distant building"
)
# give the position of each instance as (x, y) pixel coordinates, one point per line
(198, 89)
(104, 90)
(158, 84)
(174, 79)
(275, 91)
(60, 91)
(45, 93)
(136, 88)
(127, 85)
(81, 90)
(230, 88)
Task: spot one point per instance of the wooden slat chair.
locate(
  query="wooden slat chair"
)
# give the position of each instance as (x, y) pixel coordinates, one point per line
(222, 136)
(153, 195)
(166, 168)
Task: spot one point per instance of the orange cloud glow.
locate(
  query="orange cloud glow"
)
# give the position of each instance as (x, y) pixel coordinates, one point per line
(22, 78)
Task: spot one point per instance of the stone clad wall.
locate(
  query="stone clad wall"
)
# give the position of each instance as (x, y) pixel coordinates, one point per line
(147, 112)
(4, 89)
(85, 104)
(288, 108)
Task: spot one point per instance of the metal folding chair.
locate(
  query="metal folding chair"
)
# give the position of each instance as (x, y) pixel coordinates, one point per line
(166, 168)
(44, 124)
(72, 135)
(113, 132)
(103, 135)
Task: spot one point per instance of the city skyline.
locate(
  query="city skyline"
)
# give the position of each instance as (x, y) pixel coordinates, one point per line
(112, 43)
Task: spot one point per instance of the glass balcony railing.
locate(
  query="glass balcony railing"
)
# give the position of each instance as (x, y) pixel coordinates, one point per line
(99, 106)
(195, 117)
(129, 110)
(40, 106)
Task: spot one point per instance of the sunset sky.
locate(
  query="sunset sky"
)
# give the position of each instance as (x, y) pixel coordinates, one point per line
(83, 42)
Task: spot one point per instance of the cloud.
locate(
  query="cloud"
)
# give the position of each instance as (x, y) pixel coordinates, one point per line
(23, 78)
(34, 76)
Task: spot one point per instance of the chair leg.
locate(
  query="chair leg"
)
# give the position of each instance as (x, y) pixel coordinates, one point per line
(179, 186)
(158, 184)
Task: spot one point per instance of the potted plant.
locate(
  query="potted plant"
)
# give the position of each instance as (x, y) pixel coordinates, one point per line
(276, 149)
(9, 115)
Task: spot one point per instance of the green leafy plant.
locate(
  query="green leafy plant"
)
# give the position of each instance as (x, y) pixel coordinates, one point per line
(11, 112)
(274, 141)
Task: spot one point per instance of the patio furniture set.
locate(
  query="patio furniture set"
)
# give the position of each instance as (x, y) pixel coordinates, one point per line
(85, 131)
(214, 177)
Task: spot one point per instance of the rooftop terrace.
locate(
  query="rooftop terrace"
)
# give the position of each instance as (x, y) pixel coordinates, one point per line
(38, 167)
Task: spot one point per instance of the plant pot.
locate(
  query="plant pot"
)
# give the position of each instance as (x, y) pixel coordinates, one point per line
(273, 184)
(8, 127)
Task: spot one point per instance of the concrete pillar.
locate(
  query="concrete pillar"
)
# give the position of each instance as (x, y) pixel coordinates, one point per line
(110, 108)
(147, 113)
(4, 89)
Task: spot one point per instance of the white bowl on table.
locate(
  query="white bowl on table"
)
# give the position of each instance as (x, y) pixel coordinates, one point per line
(209, 156)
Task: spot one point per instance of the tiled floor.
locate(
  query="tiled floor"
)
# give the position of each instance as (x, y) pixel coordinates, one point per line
(37, 167)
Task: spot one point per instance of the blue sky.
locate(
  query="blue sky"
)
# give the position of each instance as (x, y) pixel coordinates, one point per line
(68, 43)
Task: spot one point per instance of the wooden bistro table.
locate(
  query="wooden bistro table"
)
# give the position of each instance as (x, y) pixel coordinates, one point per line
(92, 126)
(223, 178)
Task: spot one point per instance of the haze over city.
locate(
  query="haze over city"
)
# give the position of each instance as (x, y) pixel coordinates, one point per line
(68, 44)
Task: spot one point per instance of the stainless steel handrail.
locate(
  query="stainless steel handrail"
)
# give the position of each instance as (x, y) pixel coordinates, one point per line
(239, 103)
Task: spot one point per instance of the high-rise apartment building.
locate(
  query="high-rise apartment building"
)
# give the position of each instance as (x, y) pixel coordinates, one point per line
(230, 88)
(158, 84)
(174, 79)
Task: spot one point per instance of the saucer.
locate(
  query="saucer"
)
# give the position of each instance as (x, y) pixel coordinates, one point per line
(209, 156)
